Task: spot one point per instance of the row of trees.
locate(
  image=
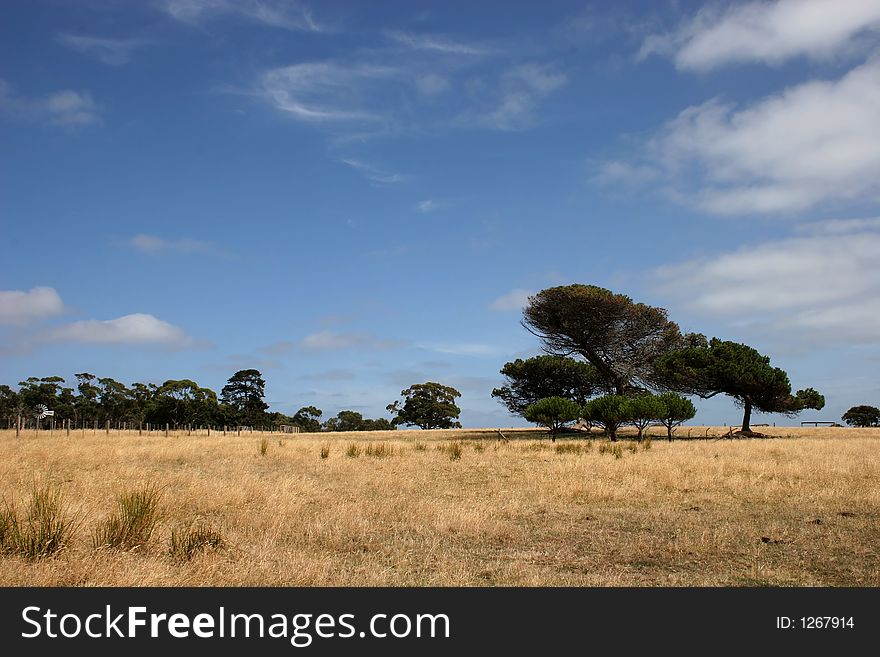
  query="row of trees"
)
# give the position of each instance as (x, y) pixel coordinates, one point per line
(601, 343)
(613, 411)
(96, 400)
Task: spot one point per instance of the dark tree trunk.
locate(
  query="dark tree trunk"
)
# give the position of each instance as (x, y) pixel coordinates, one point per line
(747, 417)
(612, 433)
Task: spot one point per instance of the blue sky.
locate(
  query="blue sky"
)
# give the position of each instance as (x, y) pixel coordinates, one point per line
(354, 197)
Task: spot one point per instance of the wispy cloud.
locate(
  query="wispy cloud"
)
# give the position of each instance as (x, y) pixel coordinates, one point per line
(436, 43)
(285, 14)
(432, 84)
(63, 108)
(463, 348)
(375, 174)
(767, 32)
(19, 308)
(822, 286)
(333, 341)
(134, 329)
(813, 143)
(514, 103)
(153, 245)
(516, 299)
(322, 91)
(426, 206)
(113, 52)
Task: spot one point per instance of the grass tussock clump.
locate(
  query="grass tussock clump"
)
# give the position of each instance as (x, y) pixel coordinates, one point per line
(615, 449)
(569, 448)
(455, 450)
(646, 443)
(133, 524)
(420, 447)
(43, 531)
(479, 447)
(186, 542)
(379, 450)
(325, 450)
(353, 450)
(264, 446)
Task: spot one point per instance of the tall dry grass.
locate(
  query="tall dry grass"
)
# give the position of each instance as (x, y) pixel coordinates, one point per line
(801, 509)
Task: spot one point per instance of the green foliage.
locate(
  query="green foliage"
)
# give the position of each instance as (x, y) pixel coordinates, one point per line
(308, 419)
(736, 370)
(541, 377)
(675, 410)
(428, 406)
(862, 416)
(133, 524)
(553, 413)
(642, 411)
(617, 336)
(354, 421)
(608, 411)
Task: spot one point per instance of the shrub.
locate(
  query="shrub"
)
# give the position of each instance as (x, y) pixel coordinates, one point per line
(133, 524)
(44, 531)
(455, 450)
(379, 450)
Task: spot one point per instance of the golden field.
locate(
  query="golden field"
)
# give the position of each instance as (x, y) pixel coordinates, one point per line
(801, 509)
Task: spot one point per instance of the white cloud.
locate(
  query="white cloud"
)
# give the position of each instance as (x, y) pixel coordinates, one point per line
(114, 52)
(437, 44)
(63, 108)
(375, 174)
(813, 143)
(18, 308)
(767, 32)
(152, 245)
(327, 340)
(516, 299)
(138, 328)
(428, 205)
(285, 14)
(824, 285)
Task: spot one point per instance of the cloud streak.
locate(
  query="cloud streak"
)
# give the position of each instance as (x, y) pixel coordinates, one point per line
(284, 14)
(113, 52)
(65, 108)
(823, 285)
(814, 143)
(766, 32)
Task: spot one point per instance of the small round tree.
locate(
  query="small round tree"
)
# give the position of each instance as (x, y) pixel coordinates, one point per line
(862, 416)
(553, 413)
(676, 409)
(608, 412)
(641, 411)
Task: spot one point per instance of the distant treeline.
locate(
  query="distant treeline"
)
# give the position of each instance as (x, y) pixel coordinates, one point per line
(176, 403)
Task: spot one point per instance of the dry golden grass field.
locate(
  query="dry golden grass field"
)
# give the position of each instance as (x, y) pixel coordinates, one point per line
(801, 509)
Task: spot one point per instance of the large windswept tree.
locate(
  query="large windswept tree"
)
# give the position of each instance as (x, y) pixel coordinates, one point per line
(533, 379)
(737, 370)
(617, 336)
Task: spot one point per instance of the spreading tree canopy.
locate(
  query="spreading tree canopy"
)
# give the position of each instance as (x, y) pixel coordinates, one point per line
(736, 370)
(541, 377)
(617, 336)
(675, 410)
(862, 416)
(608, 411)
(428, 406)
